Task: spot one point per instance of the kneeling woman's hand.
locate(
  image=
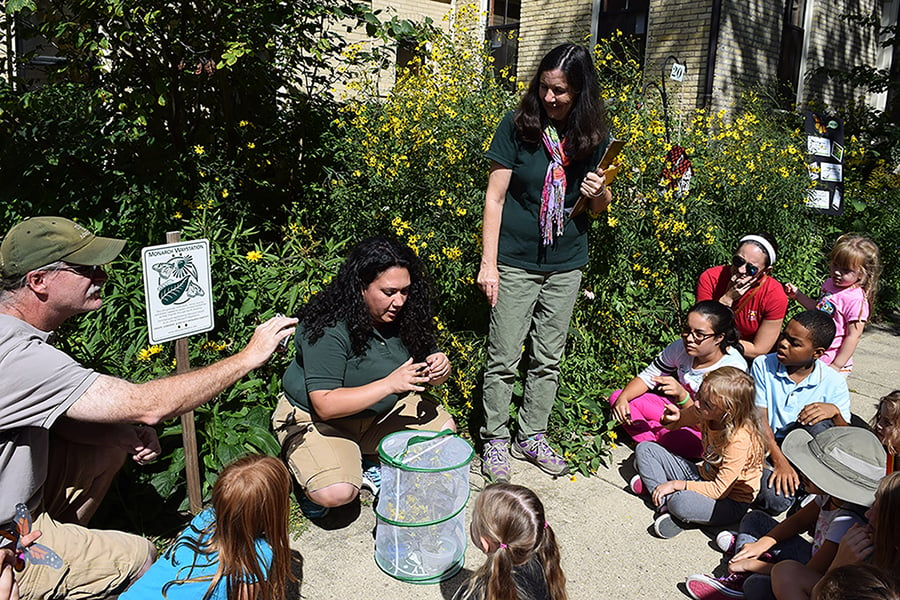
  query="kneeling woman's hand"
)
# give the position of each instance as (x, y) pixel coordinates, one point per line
(408, 377)
(438, 368)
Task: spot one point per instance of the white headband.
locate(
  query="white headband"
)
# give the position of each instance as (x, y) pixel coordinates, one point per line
(762, 242)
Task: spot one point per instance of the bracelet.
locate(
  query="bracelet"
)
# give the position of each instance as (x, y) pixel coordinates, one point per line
(683, 402)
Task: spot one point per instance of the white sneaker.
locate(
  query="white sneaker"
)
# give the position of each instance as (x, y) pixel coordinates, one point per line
(725, 541)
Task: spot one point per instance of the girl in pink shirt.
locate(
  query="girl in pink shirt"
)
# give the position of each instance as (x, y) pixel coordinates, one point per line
(846, 295)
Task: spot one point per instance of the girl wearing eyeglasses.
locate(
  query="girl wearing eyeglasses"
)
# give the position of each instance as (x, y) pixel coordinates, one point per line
(708, 341)
(747, 287)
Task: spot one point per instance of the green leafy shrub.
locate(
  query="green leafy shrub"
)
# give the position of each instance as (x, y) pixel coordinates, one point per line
(283, 187)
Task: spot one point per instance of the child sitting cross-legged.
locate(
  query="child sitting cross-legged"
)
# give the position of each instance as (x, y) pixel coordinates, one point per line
(877, 543)
(795, 389)
(842, 466)
(720, 489)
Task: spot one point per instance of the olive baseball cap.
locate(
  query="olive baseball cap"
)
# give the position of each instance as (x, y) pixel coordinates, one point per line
(39, 241)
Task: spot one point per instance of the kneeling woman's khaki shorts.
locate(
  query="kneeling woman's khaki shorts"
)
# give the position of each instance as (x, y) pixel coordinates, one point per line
(322, 453)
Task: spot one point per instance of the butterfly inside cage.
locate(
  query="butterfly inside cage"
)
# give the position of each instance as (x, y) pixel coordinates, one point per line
(35, 554)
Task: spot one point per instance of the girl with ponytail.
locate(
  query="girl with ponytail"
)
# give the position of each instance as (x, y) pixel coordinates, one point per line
(509, 525)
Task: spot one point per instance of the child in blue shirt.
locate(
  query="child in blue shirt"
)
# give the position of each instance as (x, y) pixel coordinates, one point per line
(238, 548)
(794, 388)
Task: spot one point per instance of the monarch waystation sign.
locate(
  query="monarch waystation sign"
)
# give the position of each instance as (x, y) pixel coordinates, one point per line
(177, 290)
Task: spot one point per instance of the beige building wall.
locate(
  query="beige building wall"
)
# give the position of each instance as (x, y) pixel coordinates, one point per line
(748, 49)
(414, 10)
(679, 28)
(747, 52)
(836, 43)
(547, 23)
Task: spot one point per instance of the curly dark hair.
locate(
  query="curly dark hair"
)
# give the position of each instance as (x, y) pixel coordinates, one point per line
(342, 299)
(587, 126)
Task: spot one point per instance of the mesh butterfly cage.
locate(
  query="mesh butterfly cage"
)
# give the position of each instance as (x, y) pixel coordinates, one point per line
(420, 535)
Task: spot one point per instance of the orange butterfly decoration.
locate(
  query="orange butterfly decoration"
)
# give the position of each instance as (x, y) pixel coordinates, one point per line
(34, 554)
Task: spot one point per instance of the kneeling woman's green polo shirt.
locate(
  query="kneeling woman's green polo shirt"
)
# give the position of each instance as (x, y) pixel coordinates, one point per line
(329, 364)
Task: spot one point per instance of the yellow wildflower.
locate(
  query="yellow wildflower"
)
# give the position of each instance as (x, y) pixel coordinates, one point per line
(199, 150)
(225, 193)
(254, 256)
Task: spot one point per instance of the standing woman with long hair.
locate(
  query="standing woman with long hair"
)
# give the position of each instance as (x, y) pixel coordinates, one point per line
(543, 156)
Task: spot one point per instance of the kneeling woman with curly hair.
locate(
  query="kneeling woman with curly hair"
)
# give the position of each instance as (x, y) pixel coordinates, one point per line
(365, 349)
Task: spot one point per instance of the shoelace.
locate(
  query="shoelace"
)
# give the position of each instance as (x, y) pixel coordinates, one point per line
(540, 447)
(493, 454)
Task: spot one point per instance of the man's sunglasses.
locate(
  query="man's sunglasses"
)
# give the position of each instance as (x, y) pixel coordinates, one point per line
(89, 271)
(737, 262)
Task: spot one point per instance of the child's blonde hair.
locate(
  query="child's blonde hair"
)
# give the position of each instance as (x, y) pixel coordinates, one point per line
(887, 415)
(857, 252)
(251, 501)
(734, 392)
(510, 518)
(886, 519)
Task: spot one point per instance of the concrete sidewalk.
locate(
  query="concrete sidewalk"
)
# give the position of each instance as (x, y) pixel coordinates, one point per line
(604, 531)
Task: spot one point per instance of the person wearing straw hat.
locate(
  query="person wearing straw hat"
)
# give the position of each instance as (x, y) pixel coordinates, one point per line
(843, 467)
(65, 430)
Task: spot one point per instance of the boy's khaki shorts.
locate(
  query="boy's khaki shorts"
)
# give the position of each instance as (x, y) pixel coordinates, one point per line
(322, 453)
(96, 563)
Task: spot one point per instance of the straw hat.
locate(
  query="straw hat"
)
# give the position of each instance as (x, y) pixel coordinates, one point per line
(844, 462)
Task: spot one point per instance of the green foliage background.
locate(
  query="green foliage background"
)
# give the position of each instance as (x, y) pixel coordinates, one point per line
(231, 134)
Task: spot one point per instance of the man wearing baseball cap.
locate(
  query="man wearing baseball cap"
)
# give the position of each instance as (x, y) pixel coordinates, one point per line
(65, 429)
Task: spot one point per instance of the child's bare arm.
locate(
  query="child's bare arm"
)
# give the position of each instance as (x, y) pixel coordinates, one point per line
(800, 521)
(819, 411)
(821, 560)
(848, 346)
(750, 565)
(794, 292)
(784, 478)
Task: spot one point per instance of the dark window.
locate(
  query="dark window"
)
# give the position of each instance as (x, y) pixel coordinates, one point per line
(791, 51)
(502, 35)
(627, 16)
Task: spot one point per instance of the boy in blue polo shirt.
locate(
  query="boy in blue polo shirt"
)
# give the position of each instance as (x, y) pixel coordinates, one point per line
(794, 388)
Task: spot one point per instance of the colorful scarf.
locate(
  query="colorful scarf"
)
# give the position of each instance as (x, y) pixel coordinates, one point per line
(553, 196)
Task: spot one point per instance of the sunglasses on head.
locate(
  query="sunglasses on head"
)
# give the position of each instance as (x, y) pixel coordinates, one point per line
(737, 262)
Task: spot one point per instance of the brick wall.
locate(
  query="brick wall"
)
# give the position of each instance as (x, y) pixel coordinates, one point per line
(748, 50)
(547, 23)
(835, 43)
(415, 10)
(678, 28)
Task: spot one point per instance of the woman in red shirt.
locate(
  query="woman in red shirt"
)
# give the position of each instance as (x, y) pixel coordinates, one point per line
(747, 287)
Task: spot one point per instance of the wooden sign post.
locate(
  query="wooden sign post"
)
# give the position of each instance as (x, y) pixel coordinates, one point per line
(178, 295)
(188, 429)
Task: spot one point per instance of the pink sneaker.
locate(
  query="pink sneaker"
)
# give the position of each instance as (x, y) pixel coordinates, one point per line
(636, 485)
(707, 587)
